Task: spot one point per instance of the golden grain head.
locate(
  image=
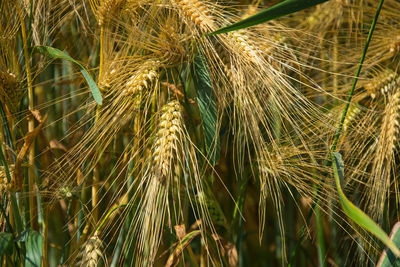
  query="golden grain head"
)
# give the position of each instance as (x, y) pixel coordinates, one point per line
(91, 252)
(241, 42)
(196, 12)
(108, 9)
(383, 161)
(386, 81)
(141, 80)
(169, 128)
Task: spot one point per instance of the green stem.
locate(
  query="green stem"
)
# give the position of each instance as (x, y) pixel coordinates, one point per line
(108, 215)
(371, 31)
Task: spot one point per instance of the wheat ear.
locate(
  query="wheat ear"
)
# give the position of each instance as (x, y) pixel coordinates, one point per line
(384, 159)
(91, 252)
(197, 12)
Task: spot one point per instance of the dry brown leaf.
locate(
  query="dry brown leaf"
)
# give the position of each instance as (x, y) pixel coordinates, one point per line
(54, 144)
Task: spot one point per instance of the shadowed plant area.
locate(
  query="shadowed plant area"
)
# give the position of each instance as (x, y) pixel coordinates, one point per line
(199, 133)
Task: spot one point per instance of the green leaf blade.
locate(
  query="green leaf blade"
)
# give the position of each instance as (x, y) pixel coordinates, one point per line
(279, 10)
(356, 214)
(388, 259)
(207, 106)
(56, 53)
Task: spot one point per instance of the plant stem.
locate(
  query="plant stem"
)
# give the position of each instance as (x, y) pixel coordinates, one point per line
(31, 127)
(350, 96)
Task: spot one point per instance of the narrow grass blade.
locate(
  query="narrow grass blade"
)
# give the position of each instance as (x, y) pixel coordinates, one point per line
(208, 109)
(55, 53)
(353, 212)
(387, 258)
(108, 215)
(279, 10)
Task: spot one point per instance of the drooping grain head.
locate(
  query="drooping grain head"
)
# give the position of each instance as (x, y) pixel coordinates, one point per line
(383, 162)
(141, 80)
(386, 81)
(242, 43)
(108, 9)
(161, 179)
(196, 12)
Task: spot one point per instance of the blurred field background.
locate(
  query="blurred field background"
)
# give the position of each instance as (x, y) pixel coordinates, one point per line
(132, 137)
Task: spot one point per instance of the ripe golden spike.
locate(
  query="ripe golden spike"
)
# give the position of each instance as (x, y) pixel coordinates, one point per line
(165, 148)
(383, 162)
(140, 80)
(161, 178)
(386, 81)
(91, 252)
(108, 9)
(243, 45)
(197, 12)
